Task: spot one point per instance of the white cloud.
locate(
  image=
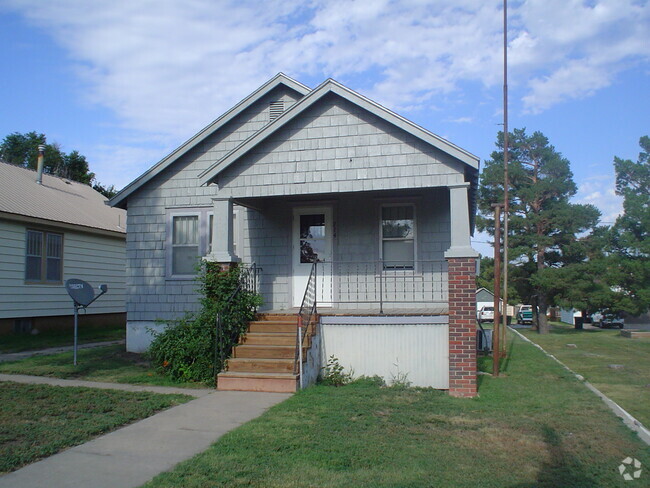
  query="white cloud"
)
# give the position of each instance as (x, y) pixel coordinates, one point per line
(165, 68)
(599, 190)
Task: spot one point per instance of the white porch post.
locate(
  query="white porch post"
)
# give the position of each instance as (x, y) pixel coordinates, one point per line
(459, 217)
(222, 232)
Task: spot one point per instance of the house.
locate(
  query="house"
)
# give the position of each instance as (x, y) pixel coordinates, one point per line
(50, 232)
(327, 191)
(485, 297)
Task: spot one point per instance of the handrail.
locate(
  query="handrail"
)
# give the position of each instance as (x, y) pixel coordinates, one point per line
(247, 282)
(305, 314)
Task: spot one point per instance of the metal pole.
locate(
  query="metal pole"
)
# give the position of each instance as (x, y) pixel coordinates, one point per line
(496, 351)
(76, 320)
(300, 349)
(381, 286)
(506, 181)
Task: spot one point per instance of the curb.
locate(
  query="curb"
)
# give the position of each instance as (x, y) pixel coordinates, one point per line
(628, 419)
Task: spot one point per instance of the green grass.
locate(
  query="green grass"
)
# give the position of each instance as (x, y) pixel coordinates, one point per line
(536, 426)
(38, 420)
(110, 363)
(595, 350)
(58, 338)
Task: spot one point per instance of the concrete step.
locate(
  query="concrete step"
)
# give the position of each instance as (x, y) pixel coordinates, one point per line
(265, 351)
(269, 382)
(261, 365)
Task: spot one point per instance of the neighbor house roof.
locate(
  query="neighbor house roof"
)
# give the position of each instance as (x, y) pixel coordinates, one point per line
(279, 79)
(332, 86)
(57, 201)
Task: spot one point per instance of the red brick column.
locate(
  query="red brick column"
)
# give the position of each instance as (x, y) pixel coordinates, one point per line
(462, 326)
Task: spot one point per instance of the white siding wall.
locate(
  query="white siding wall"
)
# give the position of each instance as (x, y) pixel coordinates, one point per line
(90, 257)
(390, 347)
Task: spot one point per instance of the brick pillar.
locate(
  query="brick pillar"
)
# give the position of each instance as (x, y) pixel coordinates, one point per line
(462, 326)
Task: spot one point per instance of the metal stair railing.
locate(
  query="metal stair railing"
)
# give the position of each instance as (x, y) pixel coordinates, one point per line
(305, 315)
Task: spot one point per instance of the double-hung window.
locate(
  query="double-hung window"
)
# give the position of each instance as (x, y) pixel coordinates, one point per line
(398, 236)
(189, 237)
(185, 244)
(43, 257)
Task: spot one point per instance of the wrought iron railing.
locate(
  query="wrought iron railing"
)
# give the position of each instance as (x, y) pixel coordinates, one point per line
(247, 283)
(306, 314)
(382, 283)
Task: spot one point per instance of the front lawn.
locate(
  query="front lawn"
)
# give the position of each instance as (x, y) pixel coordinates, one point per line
(616, 365)
(59, 338)
(110, 363)
(38, 420)
(536, 426)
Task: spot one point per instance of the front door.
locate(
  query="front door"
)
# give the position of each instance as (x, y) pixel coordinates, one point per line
(312, 242)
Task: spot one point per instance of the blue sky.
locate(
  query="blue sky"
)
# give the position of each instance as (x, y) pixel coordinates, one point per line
(125, 82)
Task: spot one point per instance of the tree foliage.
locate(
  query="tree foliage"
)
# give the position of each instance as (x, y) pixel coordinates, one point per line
(185, 350)
(629, 251)
(22, 150)
(547, 233)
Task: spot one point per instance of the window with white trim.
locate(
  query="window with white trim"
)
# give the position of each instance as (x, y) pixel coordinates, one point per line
(398, 236)
(189, 237)
(43, 257)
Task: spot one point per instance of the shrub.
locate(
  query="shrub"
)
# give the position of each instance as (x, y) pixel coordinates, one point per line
(185, 350)
(333, 374)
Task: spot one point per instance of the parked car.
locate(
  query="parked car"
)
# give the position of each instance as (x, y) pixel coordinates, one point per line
(607, 319)
(525, 314)
(486, 314)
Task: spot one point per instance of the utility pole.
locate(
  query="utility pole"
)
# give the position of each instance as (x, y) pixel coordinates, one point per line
(496, 350)
(506, 182)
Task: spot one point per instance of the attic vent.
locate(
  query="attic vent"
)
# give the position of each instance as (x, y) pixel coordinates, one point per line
(276, 108)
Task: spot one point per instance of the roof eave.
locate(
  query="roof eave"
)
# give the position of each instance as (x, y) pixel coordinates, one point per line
(332, 86)
(119, 200)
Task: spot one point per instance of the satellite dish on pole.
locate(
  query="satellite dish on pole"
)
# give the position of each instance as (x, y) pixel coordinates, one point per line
(80, 291)
(82, 295)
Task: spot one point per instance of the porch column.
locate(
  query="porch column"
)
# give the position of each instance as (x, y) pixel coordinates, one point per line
(461, 259)
(222, 251)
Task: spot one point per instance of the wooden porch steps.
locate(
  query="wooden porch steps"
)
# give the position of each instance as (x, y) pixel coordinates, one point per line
(264, 358)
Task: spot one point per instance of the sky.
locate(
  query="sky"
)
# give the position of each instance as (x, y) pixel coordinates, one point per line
(125, 82)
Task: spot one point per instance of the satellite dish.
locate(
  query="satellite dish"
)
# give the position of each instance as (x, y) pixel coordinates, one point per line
(80, 291)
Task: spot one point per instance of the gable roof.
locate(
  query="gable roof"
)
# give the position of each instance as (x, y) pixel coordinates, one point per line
(56, 201)
(279, 79)
(332, 86)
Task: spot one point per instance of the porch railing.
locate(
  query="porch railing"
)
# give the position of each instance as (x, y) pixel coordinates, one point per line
(307, 312)
(383, 282)
(247, 283)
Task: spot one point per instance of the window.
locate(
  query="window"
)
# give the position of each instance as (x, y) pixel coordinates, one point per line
(185, 244)
(43, 257)
(189, 237)
(398, 236)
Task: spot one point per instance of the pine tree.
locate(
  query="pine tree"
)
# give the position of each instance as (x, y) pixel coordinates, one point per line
(543, 225)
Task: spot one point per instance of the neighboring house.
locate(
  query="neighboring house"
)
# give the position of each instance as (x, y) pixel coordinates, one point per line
(51, 232)
(485, 297)
(296, 180)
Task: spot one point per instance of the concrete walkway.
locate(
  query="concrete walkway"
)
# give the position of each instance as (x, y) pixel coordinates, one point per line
(134, 454)
(16, 356)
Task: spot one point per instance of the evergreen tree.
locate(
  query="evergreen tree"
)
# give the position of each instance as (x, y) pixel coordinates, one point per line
(629, 253)
(543, 225)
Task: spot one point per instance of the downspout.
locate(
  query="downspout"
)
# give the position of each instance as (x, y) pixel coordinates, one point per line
(41, 160)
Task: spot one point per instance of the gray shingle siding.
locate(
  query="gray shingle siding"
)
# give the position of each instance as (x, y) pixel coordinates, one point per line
(151, 295)
(336, 147)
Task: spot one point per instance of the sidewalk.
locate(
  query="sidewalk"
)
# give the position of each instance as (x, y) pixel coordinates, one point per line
(16, 356)
(132, 455)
